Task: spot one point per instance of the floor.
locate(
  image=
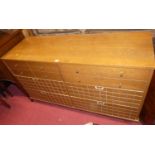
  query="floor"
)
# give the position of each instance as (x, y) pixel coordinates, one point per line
(25, 112)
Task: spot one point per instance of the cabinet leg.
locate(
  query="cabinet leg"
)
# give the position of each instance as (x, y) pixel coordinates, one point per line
(8, 92)
(32, 100)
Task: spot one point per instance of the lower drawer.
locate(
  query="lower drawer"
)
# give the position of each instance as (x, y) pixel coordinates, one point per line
(118, 96)
(43, 85)
(100, 107)
(88, 105)
(59, 99)
(49, 97)
(105, 108)
(27, 82)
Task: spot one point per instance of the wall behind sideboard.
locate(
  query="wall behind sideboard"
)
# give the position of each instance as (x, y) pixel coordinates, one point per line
(77, 31)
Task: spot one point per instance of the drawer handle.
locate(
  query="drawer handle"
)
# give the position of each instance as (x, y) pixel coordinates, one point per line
(100, 88)
(120, 85)
(100, 103)
(121, 74)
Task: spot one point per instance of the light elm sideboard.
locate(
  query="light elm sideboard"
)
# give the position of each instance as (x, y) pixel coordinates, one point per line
(106, 73)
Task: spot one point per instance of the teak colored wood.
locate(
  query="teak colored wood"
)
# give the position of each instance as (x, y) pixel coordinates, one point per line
(107, 73)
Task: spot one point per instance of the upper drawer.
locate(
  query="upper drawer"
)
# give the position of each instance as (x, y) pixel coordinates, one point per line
(47, 75)
(35, 69)
(16, 64)
(19, 68)
(107, 72)
(44, 67)
(45, 70)
(106, 82)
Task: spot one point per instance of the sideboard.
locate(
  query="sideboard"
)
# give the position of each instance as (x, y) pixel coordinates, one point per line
(107, 73)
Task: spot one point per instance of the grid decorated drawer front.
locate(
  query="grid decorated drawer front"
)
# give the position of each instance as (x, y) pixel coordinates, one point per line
(130, 98)
(103, 71)
(57, 87)
(19, 68)
(88, 105)
(27, 82)
(49, 97)
(86, 91)
(105, 108)
(110, 91)
(122, 112)
(52, 86)
(60, 99)
(95, 98)
(43, 67)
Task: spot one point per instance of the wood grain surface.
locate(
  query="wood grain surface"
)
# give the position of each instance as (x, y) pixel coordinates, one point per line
(127, 49)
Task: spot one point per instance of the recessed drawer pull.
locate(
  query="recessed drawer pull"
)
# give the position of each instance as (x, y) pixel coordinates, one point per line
(121, 74)
(100, 103)
(99, 88)
(120, 85)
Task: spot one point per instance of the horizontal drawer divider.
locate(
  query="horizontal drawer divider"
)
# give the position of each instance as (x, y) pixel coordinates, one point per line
(45, 92)
(49, 101)
(113, 115)
(105, 96)
(101, 108)
(123, 98)
(121, 101)
(132, 95)
(125, 79)
(37, 78)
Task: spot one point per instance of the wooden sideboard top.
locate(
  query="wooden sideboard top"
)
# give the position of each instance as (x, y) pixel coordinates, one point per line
(127, 49)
